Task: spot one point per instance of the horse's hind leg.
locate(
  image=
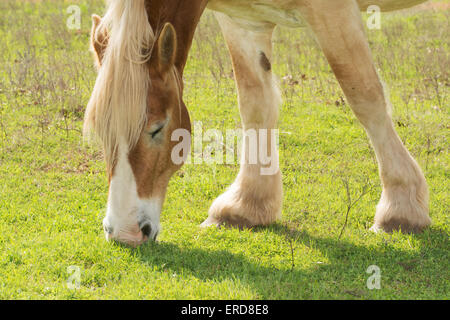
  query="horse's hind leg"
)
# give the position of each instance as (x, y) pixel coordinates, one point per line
(256, 195)
(339, 30)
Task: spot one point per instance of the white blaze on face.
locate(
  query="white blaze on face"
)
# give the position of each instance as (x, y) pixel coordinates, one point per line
(126, 213)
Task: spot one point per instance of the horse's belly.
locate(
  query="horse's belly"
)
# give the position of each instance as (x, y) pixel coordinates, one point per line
(286, 13)
(389, 5)
(280, 12)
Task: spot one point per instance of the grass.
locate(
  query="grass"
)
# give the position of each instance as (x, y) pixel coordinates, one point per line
(53, 188)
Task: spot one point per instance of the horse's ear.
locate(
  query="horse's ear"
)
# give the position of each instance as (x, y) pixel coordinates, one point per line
(167, 48)
(98, 40)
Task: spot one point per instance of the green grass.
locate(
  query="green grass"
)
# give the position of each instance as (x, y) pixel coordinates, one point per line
(53, 188)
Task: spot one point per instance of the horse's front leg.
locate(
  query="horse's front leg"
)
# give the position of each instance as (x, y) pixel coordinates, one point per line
(255, 197)
(339, 31)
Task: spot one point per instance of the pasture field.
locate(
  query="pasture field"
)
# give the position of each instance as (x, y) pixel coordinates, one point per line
(53, 186)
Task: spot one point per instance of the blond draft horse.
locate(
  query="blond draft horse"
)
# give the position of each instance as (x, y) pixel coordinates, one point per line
(141, 48)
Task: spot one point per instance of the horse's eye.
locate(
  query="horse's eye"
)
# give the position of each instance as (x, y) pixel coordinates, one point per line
(156, 130)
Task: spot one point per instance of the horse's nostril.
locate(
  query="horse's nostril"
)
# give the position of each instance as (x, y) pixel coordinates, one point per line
(146, 229)
(108, 229)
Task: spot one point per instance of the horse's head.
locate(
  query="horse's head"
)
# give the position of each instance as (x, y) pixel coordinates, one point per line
(135, 108)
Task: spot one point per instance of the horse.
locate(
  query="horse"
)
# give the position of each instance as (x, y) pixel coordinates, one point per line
(141, 47)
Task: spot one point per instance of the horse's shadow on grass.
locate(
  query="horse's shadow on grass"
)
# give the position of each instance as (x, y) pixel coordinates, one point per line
(343, 276)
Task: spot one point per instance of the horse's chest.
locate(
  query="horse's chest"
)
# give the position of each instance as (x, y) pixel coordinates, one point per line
(281, 12)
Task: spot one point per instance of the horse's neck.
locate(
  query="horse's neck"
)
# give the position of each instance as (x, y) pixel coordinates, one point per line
(184, 16)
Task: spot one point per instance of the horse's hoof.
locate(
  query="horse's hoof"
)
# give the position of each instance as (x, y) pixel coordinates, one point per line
(209, 222)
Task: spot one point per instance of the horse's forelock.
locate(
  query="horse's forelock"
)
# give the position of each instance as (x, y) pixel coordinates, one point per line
(118, 105)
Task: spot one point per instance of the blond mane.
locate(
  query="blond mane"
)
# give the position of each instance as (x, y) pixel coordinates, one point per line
(117, 108)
